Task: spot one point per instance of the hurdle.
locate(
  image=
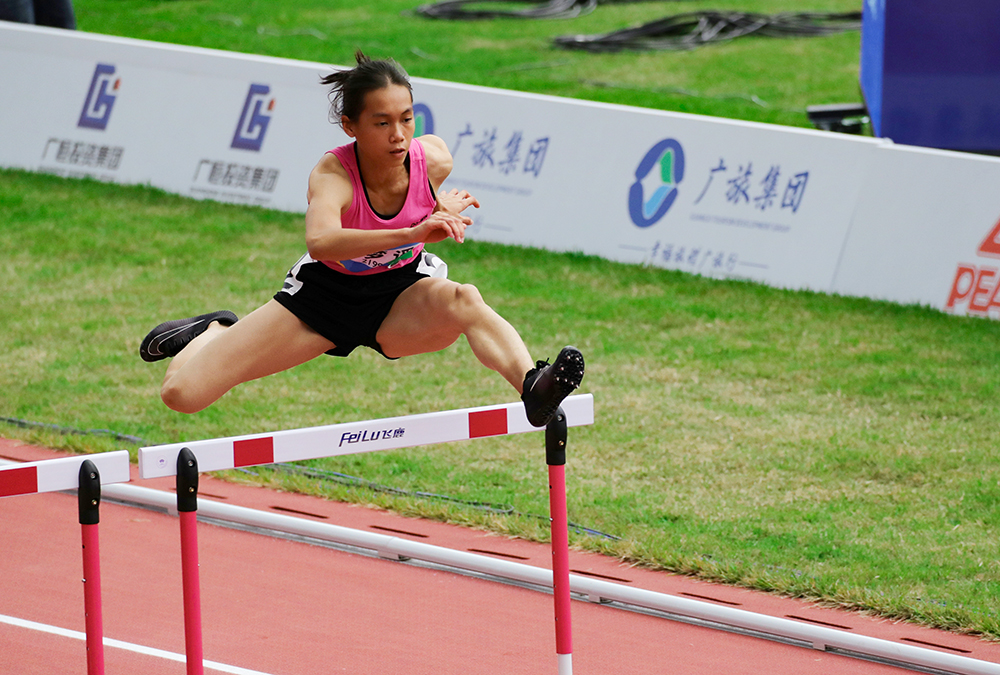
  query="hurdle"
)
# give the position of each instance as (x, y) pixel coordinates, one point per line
(85, 474)
(186, 460)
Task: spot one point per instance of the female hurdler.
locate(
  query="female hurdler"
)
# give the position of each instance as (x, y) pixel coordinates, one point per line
(372, 207)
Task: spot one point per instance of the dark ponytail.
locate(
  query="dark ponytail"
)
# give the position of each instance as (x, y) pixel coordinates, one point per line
(348, 87)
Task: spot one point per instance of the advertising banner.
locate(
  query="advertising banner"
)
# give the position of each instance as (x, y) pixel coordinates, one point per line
(715, 197)
(721, 198)
(202, 123)
(927, 231)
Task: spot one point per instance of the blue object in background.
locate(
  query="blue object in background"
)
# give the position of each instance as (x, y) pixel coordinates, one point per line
(930, 72)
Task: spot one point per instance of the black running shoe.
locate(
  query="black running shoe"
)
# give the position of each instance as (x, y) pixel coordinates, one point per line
(545, 386)
(170, 337)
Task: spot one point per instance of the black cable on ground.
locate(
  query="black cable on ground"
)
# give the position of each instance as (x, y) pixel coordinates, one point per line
(540, 9)
(25, 424)
(694, 29)
(550, 9)
(352, 481)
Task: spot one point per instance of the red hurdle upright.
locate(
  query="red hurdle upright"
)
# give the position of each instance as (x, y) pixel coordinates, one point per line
(89, 502)
(555, 457)
(187, 510)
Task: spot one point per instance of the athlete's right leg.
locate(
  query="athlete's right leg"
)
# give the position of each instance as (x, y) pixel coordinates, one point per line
(267, 341)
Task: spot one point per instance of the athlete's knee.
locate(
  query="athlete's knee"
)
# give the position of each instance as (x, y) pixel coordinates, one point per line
(457, 308)
(467, 301)
(180, 398)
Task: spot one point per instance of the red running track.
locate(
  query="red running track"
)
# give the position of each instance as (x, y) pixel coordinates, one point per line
(282, 607)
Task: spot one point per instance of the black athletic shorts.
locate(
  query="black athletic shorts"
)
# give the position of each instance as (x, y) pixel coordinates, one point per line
(346, 309)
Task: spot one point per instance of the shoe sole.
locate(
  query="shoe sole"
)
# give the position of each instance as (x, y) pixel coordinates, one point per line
(568, 371)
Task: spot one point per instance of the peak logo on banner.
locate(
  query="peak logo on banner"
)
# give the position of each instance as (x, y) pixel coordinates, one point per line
(978, 286)
(990, 247)
(423, 120)
(656, 179)
(97, 106)
(254, 119)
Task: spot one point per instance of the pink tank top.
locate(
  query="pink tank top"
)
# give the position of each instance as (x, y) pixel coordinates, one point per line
(419, 204)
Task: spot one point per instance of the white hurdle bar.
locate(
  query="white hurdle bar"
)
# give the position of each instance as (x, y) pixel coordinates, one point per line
(54, 475)
(355, 437)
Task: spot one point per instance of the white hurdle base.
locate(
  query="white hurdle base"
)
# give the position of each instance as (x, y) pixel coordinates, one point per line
(565, 664)
(354, 437)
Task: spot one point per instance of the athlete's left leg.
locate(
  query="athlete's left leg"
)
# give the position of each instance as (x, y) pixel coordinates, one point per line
(431, 315)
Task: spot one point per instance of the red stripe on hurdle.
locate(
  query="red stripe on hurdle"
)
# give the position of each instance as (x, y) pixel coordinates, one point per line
(487, 423)
(253, 451)
(20, 481)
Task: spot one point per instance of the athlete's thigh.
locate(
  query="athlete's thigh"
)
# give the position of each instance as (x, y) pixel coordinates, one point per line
(268, 340)
(421, 320)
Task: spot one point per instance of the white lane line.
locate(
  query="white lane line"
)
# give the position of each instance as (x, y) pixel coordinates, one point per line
(128, 646)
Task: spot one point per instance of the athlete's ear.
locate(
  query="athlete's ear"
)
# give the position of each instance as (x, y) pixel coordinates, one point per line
(347, 125)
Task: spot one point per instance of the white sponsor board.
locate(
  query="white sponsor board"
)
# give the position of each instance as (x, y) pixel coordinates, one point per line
(715, 197)
(721, 198)
(202, 123)
(926, 231)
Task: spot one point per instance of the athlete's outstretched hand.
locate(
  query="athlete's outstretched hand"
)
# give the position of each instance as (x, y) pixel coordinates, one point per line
(455, 201)
(441, 225)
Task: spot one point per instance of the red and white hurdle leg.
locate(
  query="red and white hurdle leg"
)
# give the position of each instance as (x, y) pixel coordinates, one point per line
(555, 457)
(187, 510)
(89, 498)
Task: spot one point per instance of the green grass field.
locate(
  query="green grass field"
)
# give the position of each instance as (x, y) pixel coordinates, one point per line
(824, 447)
(762, 79)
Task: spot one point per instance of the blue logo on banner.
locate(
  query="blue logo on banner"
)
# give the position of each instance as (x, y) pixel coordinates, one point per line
(658, 173)
(423, 120)
(254, 119)
(100, 98)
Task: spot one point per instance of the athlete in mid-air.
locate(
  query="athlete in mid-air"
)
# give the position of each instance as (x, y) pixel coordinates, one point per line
(373, 204)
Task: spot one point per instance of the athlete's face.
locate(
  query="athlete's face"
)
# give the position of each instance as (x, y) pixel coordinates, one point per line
(384, 128)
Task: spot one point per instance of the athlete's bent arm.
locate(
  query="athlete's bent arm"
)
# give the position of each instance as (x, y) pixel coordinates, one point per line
(439, 165)
(330, 194)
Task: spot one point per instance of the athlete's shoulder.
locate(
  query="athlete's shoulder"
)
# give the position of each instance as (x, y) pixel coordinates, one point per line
(439, 161)
(330, 167)
(433, 145)
(330, 178)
